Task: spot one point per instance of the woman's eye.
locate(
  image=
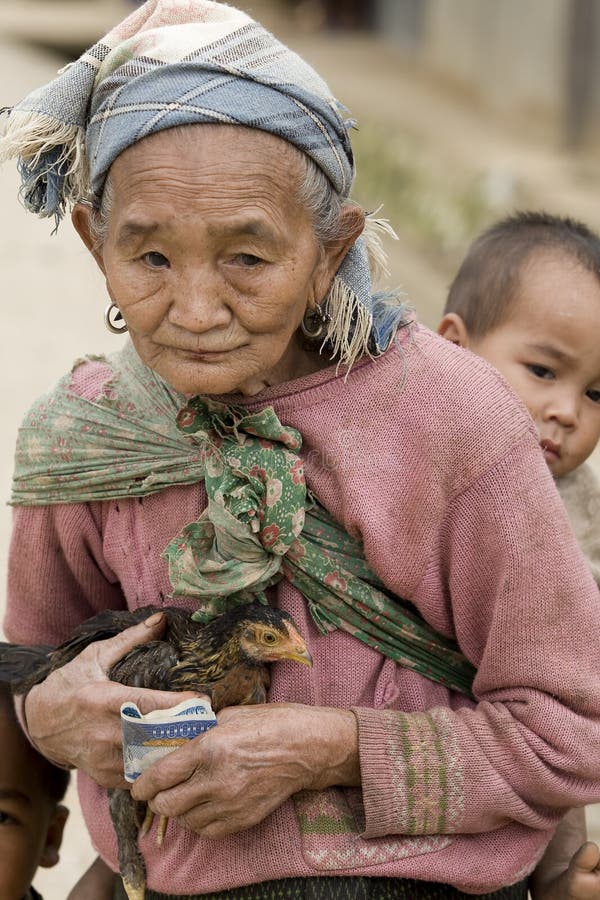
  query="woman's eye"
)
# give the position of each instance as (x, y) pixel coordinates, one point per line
(540, 371)
(6, 819)
(248, 260)
(594, 395)
(156, 260)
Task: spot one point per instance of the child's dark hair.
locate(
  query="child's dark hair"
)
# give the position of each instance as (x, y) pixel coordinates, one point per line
(53, 779)
(487, 282)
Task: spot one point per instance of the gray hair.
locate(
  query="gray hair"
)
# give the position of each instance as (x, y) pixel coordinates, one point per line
(322, 202)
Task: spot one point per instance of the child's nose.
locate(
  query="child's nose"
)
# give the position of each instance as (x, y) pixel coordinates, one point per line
(564, 408)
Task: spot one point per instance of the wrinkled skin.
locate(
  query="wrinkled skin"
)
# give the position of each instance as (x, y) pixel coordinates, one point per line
(74, 715)
(235, 775)
(211, 259)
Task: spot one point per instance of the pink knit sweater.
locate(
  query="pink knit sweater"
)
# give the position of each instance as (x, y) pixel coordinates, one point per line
(428, 457)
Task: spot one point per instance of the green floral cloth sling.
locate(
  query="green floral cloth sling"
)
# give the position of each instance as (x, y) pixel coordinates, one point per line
(261, 523)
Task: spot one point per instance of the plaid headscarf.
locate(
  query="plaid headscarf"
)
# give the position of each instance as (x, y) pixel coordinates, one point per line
(180, 62)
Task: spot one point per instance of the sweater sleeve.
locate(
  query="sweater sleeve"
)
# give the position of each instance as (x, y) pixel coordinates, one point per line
(526, 612)
(57, 576)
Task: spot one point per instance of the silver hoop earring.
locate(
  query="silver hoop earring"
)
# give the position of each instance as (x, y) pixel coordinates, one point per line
(113, 319)
(313, 323)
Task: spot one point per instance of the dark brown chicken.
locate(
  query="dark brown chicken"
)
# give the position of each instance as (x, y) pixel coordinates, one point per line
(227, 659)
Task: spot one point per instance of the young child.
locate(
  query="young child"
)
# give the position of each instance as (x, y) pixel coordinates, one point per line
(31, 815)
(527, 299)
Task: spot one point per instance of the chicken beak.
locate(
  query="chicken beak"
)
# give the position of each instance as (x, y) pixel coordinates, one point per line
(302, 656)
(297, 649)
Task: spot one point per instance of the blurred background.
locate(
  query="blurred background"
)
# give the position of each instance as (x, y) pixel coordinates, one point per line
(467, 110)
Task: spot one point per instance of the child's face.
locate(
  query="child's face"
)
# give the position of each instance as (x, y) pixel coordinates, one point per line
(549, 351)
(30, 823)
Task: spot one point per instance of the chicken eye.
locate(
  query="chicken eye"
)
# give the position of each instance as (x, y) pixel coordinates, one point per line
(6, 818)
(269, 637)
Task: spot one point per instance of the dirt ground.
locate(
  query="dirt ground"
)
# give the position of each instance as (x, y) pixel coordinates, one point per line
(54, 297)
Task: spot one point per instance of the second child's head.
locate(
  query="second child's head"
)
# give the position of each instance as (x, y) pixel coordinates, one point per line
(527, 299)
(31, 815)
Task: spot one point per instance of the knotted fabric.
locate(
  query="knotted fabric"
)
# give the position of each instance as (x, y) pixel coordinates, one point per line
(176, 62)
(261, 523)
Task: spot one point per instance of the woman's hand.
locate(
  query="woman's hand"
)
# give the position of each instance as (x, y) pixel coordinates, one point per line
(73, 716)
(237, 773)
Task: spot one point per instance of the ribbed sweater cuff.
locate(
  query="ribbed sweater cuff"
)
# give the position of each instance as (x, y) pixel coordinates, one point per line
(411, 770)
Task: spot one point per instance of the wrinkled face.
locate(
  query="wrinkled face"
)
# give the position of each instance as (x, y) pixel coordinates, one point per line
(29, 837)
(211, 259)
(549, 351)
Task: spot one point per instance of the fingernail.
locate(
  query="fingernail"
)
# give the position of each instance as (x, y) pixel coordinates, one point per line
(153, 620)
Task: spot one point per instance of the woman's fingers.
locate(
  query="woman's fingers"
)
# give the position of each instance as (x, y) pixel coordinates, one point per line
(73, 716)
(169, 777)
(147, 700)
(237, 773)
(75, 726)
(108, 652)
(82, 727)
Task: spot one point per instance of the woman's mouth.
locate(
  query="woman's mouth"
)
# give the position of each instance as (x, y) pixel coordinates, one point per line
(203, 354)
(550, 450)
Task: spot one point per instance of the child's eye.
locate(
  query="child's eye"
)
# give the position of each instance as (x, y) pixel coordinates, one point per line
(540, 371)
(156, 260)
(7, 819)
(594, 395)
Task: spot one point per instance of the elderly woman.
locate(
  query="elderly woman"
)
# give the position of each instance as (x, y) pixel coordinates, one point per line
(276, 430)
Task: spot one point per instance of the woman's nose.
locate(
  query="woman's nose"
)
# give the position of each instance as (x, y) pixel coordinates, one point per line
(198, 304)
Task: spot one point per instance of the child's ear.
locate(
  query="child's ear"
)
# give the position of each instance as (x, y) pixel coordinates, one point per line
(453, 328)
(54, 835)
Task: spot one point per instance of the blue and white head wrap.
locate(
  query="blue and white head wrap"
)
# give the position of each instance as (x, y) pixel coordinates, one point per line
(180, 62)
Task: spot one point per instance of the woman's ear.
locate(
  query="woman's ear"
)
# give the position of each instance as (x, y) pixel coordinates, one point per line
(81, 217)
(352, 224)
(54, 835)
(453, 328)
